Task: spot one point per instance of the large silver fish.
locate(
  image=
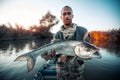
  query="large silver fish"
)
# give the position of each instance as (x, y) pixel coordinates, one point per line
(82, 49)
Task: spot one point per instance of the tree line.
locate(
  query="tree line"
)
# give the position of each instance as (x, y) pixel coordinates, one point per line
(107, 39)
(102, 38)
(8, 32)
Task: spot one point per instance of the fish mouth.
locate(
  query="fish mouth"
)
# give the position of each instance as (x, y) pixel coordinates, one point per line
(96, 54)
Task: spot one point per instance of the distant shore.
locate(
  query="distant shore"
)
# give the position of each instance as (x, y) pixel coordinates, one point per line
(22, 38)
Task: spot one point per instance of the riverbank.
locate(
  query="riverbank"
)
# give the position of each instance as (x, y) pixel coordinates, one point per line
(23, 38)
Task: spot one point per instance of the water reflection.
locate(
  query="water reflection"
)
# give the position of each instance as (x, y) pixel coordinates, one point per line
(10, 47)
(111, 47)
(106, 68)
(115, 48)
(9, 50)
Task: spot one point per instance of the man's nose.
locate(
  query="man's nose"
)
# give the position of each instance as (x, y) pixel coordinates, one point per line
(66, 16)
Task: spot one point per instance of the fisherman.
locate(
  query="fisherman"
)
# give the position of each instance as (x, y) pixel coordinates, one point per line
(69, 67)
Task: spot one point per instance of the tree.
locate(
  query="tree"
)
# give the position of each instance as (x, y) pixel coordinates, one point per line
(46, 23)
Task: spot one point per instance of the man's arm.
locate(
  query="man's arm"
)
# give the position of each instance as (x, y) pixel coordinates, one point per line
(56, 37)
(86, 37)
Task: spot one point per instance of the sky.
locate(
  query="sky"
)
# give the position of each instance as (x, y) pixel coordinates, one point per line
(91, 14)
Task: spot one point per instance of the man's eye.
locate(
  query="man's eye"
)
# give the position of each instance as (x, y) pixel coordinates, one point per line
(69, 13)
(66, 13)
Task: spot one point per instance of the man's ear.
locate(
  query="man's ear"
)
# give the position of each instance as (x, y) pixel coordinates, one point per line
(72, 16)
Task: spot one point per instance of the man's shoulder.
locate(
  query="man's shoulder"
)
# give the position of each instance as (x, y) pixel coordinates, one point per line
(81, 28)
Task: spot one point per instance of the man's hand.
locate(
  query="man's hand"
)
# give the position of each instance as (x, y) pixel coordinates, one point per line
(54, 40)
(50, 54)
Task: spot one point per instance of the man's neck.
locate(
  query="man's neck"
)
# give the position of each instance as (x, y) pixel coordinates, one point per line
(67, 26)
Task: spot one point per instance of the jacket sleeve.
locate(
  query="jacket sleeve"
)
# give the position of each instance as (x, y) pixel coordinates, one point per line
(86, 36)
(57, 37)
(82, 34)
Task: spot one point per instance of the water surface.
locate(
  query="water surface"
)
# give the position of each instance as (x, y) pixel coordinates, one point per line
(106, 68)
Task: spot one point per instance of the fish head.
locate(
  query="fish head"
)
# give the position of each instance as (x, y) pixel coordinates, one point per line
(86, 50)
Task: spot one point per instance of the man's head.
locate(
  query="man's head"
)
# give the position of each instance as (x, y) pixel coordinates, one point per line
(66, 15)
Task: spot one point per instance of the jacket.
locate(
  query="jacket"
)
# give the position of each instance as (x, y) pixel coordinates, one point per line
(78, 34)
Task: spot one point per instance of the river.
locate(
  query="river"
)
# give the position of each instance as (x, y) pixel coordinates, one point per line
(106, 68)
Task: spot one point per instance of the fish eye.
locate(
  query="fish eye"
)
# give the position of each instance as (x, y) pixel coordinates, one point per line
(81, 45)
(87, 49)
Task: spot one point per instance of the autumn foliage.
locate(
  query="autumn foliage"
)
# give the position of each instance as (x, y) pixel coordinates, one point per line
(99, 38)
(106, 38)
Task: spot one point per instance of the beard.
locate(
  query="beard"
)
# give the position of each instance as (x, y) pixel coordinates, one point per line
(67, 22)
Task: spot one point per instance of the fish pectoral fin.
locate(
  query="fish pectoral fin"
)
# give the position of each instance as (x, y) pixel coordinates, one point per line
(30, 61)
(30, 64)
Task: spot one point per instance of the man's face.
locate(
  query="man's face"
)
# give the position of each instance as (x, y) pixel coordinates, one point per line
(66, 16)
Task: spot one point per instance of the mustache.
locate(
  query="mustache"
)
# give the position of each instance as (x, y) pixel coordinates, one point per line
(66, 19)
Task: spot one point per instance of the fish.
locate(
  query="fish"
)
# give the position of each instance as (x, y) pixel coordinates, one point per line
(82, 49)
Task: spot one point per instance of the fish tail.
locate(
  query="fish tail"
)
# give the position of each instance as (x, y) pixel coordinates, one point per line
(30, 61)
